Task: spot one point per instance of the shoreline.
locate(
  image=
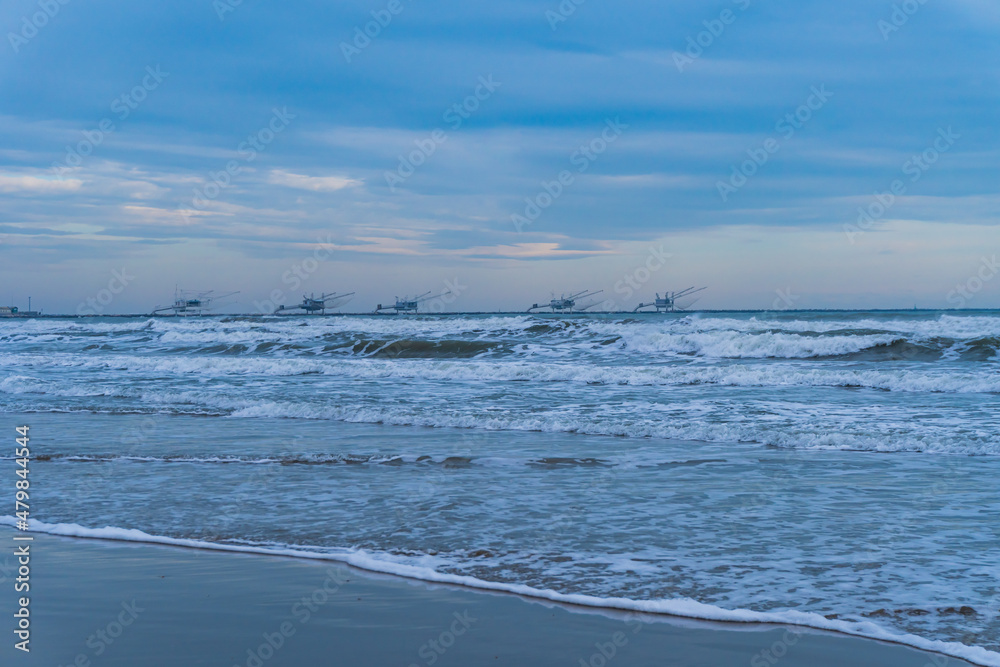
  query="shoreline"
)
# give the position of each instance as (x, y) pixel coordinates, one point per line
(659, 611)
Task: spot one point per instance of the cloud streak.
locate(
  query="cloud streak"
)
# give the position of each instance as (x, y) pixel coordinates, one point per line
(37, 185)
(173, 177)
(314, 183)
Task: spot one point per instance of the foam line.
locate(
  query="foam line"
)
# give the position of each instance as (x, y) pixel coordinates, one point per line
(975, 379)
(683, 607)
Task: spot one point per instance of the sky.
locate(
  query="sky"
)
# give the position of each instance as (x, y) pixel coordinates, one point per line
(785, 154)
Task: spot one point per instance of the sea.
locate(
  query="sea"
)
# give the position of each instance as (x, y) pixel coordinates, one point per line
(838, 470)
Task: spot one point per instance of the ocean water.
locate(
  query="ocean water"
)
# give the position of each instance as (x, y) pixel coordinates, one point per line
(832, 469)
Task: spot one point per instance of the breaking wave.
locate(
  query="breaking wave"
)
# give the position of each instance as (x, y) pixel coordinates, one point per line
(389, 564)
(924, 378)
(529, 336)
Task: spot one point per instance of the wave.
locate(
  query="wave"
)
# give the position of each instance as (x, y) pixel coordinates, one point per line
(764, 345)
(923, 324)
(26, 384)
(445, 461)
(877, 437)
(416, 349)
(805, 433)
(433, 337)
(681, 607)
(924, 379)
(810, 426)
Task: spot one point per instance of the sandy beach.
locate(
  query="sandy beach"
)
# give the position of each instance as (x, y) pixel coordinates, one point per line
(97, 602)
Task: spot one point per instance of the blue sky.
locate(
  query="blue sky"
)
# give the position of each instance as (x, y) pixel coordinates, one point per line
(644, 129)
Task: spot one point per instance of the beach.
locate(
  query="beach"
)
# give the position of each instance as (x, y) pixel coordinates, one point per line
(117, 603)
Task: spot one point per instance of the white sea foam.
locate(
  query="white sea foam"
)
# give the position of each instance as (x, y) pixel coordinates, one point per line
(683, 607)
(819, 426)
(806, 436)
(26, 384)
(875, 383)
(706, 336)
(942, 325)
(973, 379)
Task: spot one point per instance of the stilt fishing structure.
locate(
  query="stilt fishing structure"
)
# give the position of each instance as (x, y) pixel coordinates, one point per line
(668, 302)
(313, 304)
(567, 304)
(191, 303)
(406, 304)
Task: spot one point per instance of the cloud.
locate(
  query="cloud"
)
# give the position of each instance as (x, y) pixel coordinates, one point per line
(314, 183)
(24, 183)
(324, 175)
(531, 251)
(651, 180)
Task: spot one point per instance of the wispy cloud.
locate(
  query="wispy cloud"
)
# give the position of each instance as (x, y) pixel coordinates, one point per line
(314, 183)
(37, 185)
